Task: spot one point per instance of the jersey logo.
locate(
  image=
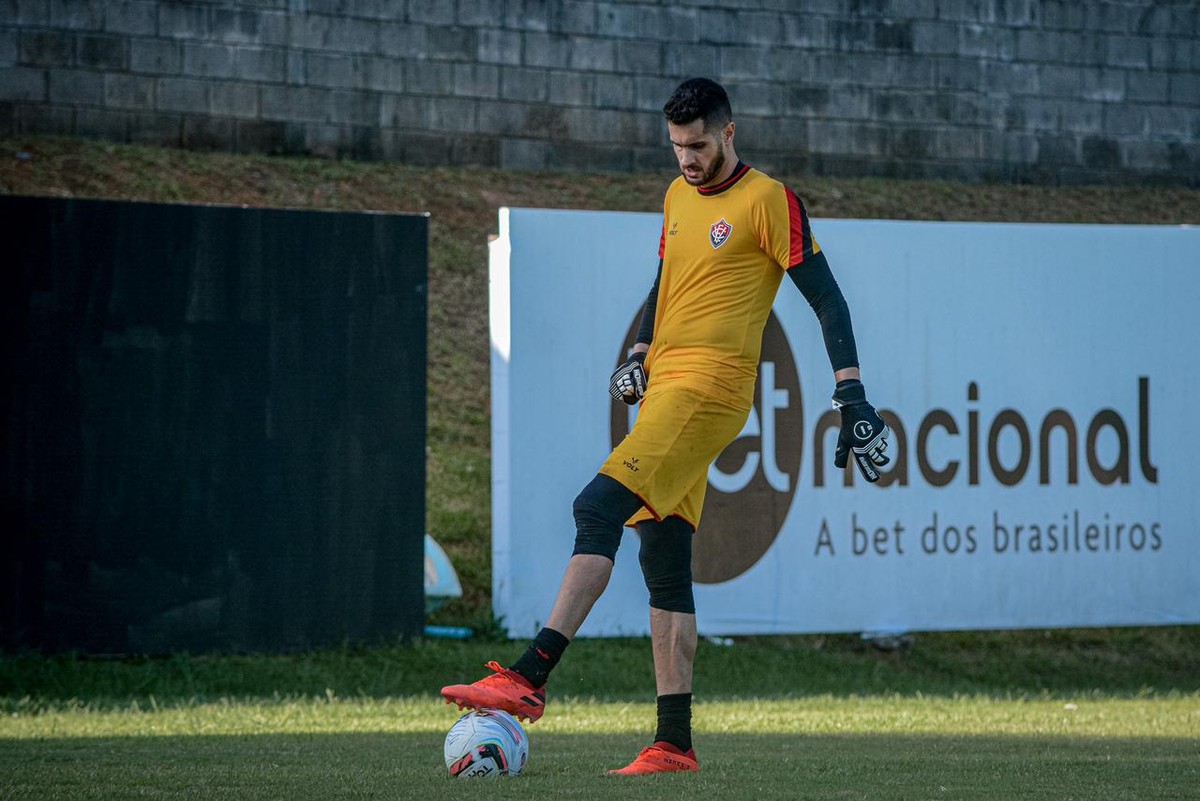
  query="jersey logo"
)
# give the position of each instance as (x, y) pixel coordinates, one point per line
(719, 233)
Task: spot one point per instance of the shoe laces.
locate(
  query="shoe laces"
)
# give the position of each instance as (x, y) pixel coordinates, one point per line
(657, 753)
(649, 754)
(502, 674)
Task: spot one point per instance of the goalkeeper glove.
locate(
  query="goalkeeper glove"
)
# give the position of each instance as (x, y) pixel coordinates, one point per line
(629, 381)
(863, 431)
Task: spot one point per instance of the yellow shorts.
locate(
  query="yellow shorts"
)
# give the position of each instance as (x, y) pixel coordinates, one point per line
(665, 458)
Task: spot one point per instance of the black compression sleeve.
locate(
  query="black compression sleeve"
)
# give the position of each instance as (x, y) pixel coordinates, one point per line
(816, 282)
(645, 334)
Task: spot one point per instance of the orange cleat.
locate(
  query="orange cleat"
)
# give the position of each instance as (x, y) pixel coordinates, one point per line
(504, 689)
(660, 758)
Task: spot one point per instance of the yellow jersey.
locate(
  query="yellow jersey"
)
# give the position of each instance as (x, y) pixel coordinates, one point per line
(724, 250)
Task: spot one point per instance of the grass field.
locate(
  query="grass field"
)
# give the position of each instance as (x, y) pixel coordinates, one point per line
(1053, 715)
(1111, 714)
(820, 747)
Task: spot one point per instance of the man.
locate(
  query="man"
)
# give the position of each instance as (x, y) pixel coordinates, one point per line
(729, 235)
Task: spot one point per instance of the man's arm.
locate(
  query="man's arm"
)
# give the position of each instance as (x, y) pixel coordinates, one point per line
(645, 334)
(863, 432)
(816, 282)
(628, 382)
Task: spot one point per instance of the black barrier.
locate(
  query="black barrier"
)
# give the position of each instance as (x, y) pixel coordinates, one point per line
(213, 426)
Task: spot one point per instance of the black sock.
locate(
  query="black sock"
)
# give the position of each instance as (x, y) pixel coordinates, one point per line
(675, 721)
(541, 656)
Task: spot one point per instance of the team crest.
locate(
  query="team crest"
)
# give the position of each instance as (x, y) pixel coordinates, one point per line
(719, 233)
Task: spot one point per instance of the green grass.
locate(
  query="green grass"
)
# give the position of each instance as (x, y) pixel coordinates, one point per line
(821, 747)
(1056, 715)
(1116, 663)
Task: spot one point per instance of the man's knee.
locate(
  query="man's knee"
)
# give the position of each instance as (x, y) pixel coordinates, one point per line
(666, 558)
(600, 510)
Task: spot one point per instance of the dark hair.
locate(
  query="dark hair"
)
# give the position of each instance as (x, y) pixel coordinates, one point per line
(699, 99)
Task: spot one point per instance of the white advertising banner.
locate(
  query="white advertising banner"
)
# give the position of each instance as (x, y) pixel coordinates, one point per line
(1042, 383)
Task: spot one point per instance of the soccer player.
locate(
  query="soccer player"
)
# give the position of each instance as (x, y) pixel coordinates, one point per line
(730, 233)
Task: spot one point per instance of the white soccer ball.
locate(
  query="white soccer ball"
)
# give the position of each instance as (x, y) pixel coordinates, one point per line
(486, 742)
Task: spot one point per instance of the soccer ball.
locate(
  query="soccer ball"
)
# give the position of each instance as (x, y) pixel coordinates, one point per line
(486, 742)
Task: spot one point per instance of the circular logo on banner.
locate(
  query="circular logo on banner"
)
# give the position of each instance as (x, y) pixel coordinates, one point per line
(752, 482)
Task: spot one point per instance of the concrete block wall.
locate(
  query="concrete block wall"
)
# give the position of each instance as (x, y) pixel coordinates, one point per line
(1051, 91)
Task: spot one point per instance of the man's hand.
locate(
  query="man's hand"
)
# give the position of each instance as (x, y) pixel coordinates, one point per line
(629, 381)
(863, 431)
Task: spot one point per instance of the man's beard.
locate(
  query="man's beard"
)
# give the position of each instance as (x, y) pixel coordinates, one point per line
(713, 170)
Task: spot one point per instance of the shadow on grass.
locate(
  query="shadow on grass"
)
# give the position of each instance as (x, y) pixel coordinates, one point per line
(566, 766)
(1110, 663)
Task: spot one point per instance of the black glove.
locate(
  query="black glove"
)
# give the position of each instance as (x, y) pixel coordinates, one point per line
(629, 381)
(863, 431)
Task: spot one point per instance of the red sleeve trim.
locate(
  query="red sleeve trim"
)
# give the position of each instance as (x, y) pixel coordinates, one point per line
(798, 225)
